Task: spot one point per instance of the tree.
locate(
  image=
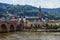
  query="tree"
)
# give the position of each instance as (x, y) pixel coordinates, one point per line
(56, 26)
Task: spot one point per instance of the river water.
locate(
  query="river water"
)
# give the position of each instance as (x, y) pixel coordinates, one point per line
(30, 36)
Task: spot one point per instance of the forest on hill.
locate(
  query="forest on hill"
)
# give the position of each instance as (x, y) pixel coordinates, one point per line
(7, 10)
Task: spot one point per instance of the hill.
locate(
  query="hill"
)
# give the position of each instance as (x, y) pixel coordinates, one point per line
(7, 10)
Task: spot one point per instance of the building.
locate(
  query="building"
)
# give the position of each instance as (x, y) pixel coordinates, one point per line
(34, 18)
(53, 22)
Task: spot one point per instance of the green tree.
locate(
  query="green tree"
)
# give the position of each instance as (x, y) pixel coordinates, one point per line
(56, 26)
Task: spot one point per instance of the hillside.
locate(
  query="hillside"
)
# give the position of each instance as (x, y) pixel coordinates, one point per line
(7, 10)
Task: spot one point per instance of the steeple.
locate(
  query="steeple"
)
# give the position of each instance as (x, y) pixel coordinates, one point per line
(39, 8)
(40, 13)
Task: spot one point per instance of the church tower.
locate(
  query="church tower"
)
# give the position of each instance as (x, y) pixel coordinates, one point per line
(40, 14)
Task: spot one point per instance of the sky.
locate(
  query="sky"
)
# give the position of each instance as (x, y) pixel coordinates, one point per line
(36, 3)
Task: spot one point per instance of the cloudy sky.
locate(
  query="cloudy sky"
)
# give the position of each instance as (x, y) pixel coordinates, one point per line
(36, 3)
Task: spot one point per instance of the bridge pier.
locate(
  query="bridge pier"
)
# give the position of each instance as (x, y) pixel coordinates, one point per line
(15, 28)
(8, 29)
(0, 28)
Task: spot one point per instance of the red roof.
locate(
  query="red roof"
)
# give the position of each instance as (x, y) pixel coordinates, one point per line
(53, 21)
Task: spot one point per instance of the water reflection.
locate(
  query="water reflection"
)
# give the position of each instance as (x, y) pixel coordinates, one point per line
(30, 36)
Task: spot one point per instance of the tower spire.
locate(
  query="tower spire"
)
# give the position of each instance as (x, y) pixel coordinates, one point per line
(40, 14)
(39, 8)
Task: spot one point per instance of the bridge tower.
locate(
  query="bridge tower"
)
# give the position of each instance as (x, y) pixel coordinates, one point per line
(22, 22)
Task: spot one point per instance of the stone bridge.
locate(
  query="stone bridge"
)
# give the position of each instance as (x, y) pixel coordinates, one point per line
(7, 26)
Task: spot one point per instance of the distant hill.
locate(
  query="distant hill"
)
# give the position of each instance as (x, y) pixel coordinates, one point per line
(7, 10)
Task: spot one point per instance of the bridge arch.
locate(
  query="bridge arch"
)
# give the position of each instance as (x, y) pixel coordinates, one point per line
(4, 27)
(12, 27)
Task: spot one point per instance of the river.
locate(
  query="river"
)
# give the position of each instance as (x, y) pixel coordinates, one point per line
(30, 36)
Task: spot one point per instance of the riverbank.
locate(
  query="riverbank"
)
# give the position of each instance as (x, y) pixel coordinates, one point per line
(35, 30)
(41, 30)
